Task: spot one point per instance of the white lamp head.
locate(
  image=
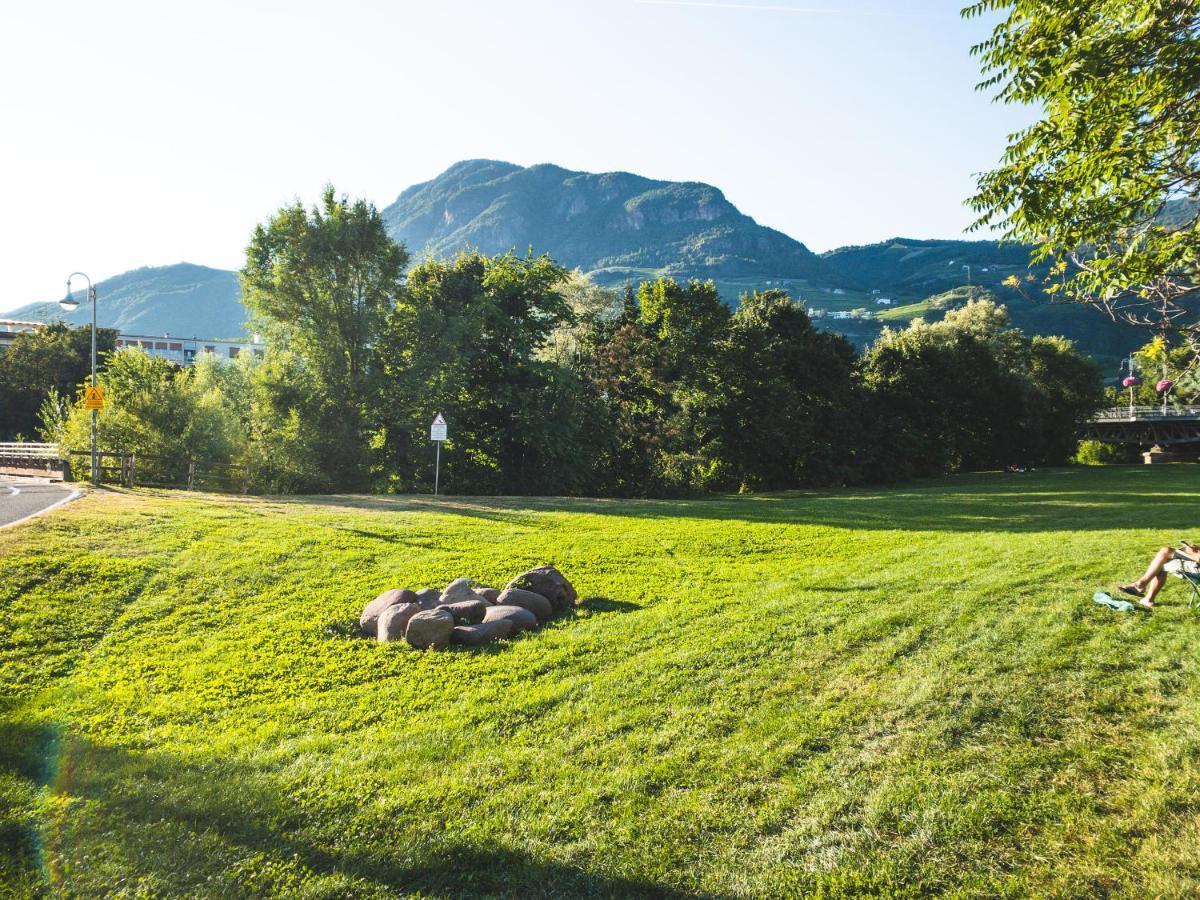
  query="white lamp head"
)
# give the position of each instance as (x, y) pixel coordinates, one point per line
(69, 303)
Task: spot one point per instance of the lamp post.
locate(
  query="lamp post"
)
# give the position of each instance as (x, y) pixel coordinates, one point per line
(1130, 381)
(70, 304)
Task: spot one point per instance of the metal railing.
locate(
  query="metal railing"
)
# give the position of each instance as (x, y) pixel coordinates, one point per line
(1125, 414)
(26, 450)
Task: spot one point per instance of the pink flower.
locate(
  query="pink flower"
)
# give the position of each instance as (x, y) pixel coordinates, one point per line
(1165, 385)
(1131, 380)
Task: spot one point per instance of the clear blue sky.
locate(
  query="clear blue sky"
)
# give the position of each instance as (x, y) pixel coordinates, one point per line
(146, 133)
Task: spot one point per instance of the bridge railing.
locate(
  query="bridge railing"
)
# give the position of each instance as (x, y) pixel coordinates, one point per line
(26, 450)
(1144, 413)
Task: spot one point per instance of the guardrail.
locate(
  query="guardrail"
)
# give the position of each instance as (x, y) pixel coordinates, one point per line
(1126, 414)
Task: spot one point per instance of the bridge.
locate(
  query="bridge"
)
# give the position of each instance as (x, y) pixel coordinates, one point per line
(19, 458)
(1146, 425)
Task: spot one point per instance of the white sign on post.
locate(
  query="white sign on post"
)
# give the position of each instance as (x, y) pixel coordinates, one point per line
(437, 433)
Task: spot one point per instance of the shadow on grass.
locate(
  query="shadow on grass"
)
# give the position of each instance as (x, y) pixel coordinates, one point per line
(1069, 499)
(607, 605)
(27, 751)
(242, 834)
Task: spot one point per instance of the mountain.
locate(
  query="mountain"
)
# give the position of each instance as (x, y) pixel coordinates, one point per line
(619, 227)
(614, 226)
(911, 268)
(183, 300)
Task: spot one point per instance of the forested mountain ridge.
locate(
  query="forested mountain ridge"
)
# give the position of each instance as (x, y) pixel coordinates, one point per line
(912, 267)
(624, 228)
(613, 225)
(184, 300)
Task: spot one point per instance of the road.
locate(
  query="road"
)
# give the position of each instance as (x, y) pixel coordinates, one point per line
(22, 498)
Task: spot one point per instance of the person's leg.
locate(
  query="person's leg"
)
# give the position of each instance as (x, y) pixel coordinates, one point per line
(1153, 575)
(1153, 586)
(1154, 570)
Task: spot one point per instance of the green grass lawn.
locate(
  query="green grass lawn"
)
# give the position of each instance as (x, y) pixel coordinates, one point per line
(905, 690)
(902, 315)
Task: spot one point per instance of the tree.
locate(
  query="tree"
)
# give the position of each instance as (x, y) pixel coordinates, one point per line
(971, 393)
(55, 358)
(157, 409)
(686, 320)
(786, 403)
(1102, 182)
(622, 364)
(590, 305)
(468, 341)
(320, 284)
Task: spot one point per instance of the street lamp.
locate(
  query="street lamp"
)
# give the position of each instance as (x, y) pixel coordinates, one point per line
(70, 304)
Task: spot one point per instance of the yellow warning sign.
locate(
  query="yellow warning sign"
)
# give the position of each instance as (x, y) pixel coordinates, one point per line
(93, 398)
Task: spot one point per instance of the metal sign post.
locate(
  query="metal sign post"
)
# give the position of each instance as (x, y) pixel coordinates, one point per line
(437, 434)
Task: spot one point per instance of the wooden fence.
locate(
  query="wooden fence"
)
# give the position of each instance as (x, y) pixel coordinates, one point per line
(134, 469)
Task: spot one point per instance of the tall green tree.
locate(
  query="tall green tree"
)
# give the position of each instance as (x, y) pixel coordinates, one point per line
(1106, 181)
(320, 284)
(786, 403)
(687, 320)
(468, 341)
(55, 358)
(969, 393)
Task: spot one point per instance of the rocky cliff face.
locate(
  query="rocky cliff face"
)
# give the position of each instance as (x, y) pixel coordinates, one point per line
(607, 224)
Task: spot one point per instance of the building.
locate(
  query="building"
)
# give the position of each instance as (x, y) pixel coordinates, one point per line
(10, 328)
(185, 350)
(179, 350)
(883, 301)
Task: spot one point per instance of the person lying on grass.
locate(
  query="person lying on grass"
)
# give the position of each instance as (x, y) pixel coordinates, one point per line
(1166, 561)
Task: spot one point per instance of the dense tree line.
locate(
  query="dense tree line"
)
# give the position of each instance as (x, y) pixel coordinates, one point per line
(552, 385)
(43, 368)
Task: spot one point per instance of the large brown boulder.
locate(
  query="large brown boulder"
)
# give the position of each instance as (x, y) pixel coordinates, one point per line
(535, 603)
(478, 635)
(521, 618)
(369, 620)
(550, 583)
(393, 621)
(430, 629)
(467, 612)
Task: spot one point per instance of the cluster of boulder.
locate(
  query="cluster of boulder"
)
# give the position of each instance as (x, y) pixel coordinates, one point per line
(468, 613)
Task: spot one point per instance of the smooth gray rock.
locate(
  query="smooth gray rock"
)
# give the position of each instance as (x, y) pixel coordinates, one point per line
(550, 583)
(458, 590)
(393, 621)
(478, 635)
(488, 593)
(428, 597)
(521, 618)
(369, 620)
(430, 629)
(535, 603)
(467, 612)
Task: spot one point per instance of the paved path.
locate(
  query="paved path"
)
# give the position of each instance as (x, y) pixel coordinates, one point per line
(20, 498)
